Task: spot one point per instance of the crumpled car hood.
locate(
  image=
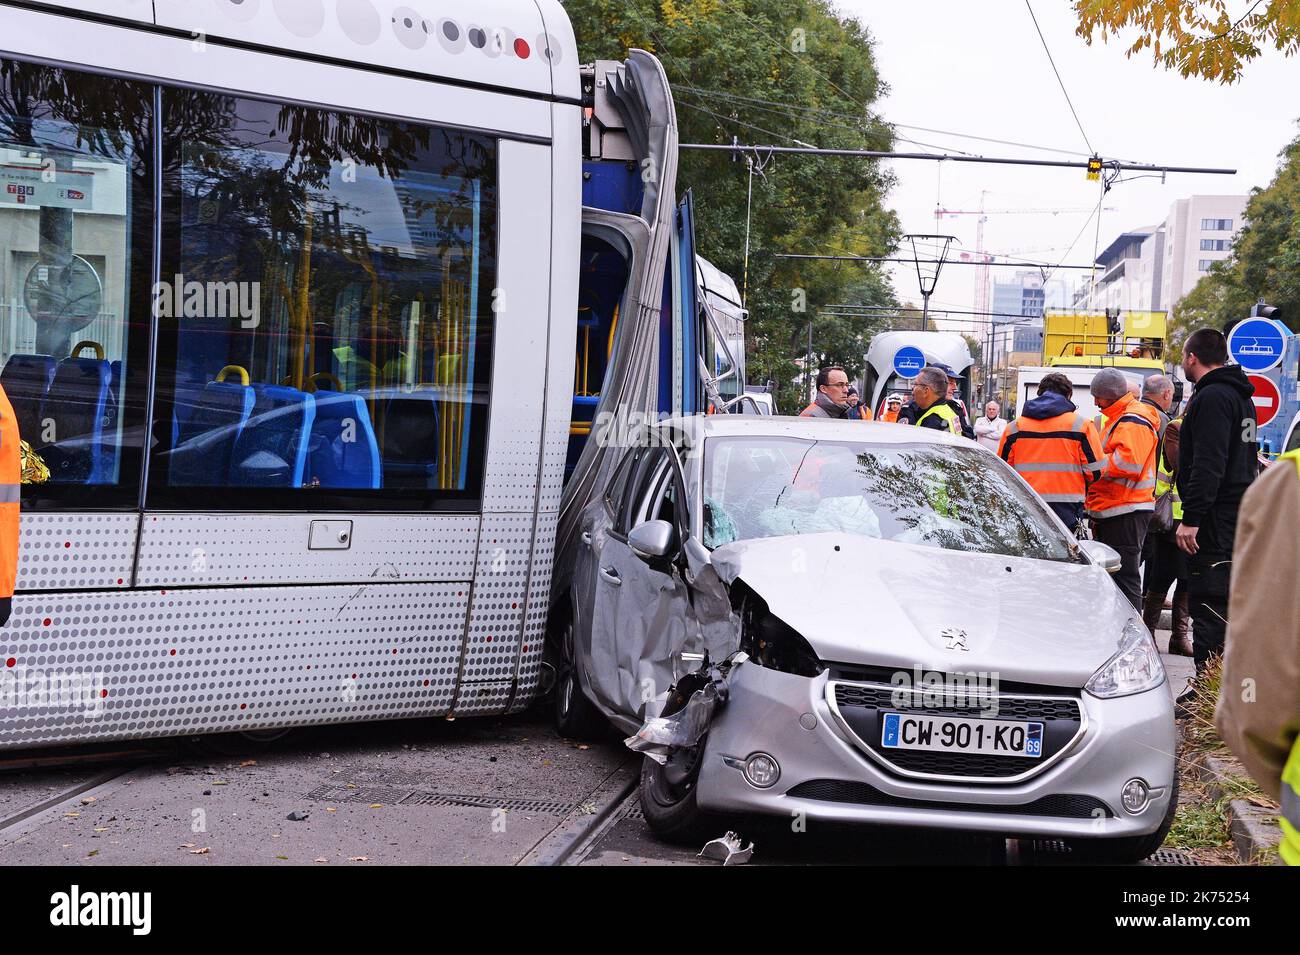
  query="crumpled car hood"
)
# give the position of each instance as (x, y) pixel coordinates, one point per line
(881, 603)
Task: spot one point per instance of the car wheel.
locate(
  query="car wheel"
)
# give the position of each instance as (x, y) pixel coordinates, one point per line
(668, 796)
(1127, 851)
(576, 717)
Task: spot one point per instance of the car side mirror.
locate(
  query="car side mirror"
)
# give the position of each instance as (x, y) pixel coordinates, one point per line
(1103, 555)
(655, 542)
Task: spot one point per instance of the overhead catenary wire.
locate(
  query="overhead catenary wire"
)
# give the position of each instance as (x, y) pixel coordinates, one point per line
(889, 258)
(1114, 164)
(795, 110)
(1064, 91)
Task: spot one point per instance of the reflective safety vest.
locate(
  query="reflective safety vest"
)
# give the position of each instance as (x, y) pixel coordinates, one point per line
(1165, 478)
(941, 410)
(1058, 457)
(1127, 479)
(10, 495)
(1290, 817)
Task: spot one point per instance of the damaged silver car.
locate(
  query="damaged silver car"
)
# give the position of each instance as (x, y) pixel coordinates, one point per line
(860, 623)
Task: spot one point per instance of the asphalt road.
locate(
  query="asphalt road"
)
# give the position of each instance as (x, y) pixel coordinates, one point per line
(477, 791)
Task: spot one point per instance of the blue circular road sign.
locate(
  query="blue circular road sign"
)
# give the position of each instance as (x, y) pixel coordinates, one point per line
(1257, 344)
(908, 361)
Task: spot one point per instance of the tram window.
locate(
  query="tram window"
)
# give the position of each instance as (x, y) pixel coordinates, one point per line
(76, 224)
(327, 340)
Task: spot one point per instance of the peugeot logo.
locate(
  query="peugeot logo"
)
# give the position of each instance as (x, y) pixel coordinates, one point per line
(956, 639)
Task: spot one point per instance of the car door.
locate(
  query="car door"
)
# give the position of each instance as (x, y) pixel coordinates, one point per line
(641, 618)
(598, 518)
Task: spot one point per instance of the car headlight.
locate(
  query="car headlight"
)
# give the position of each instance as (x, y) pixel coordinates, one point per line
(1135, 667)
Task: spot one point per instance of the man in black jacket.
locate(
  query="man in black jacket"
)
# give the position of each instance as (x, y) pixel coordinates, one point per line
(1216, 463)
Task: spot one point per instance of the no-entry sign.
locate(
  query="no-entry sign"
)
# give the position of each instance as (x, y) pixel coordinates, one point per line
(1268, 400)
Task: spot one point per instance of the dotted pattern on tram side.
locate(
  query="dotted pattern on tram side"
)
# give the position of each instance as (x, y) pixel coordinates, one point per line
(497, 611)
(76, 551)
(539, 595)
(482, 699)
(189, 550)
(160, 663)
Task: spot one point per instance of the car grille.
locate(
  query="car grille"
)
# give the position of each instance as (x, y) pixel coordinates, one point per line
(1009, 707)
(1061, 805)
(860, 704)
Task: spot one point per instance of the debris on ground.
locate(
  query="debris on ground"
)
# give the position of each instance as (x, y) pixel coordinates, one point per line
(727, 850)
(297, 816)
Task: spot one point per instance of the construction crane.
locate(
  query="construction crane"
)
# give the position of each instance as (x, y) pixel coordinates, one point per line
(982, 276)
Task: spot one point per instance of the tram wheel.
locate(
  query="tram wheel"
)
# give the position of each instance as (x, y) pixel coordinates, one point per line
(239, 744)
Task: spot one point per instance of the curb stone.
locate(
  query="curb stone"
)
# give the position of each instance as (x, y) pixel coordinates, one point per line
(1255, 832)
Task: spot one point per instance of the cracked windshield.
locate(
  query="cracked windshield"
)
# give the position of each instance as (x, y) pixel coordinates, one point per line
(914, 494)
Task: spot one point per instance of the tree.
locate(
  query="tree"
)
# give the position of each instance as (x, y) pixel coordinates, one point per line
(772, 72)
(1264, 264)
(1196, 37)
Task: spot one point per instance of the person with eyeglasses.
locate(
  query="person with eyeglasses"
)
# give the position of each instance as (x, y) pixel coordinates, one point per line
(833, 397)
(930, 407)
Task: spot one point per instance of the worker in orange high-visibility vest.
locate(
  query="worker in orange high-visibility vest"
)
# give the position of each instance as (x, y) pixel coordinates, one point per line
(1054, 448)
(1122, 498)
(10, 494)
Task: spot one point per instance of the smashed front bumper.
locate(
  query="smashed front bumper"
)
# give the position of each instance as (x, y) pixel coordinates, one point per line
(825, 775)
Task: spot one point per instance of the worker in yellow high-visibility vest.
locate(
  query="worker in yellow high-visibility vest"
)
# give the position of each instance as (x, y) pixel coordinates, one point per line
(1258, 712)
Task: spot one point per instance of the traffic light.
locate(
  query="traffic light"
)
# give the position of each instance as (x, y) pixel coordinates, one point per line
(1094, 168)
(1260, 310)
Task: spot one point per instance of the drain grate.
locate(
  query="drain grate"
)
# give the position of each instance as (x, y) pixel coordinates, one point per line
(391, 796)
(546, 806)
(1172, 857)
(634, 811)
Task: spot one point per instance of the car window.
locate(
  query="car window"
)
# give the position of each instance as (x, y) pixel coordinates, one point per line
(936, 496)
(618, 482)
(644, 474)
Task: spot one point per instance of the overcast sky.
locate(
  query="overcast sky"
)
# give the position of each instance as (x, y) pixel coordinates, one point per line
(979, 67)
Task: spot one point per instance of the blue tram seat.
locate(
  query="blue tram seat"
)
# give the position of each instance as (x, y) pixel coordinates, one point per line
(26, 380)
(207, 423)
(410, 448)
(272, 449)
(337, 458)
(76, 407)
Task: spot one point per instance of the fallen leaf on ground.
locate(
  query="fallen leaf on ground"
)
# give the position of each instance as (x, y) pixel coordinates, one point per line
(72, 815)
(330, 809)
(87, 800)
(320, 859)
(249, 762)
(376, 805)
(358, 858)
(286, 858)
(201, 852)
(92, 852)
(187, 845)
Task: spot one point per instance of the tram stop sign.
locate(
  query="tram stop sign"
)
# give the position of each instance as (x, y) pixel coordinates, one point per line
(1257, 344)
(908, 362)
(1267, 398)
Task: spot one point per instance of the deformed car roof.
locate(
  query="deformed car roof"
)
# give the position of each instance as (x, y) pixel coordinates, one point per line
(700, 427)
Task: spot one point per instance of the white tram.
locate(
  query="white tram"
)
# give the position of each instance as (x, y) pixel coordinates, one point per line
(302, 315)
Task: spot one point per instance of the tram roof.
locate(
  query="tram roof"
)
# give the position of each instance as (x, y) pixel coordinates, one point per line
(523, 46)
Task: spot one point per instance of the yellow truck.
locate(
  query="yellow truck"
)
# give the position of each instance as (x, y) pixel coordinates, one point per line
(1080, 343)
